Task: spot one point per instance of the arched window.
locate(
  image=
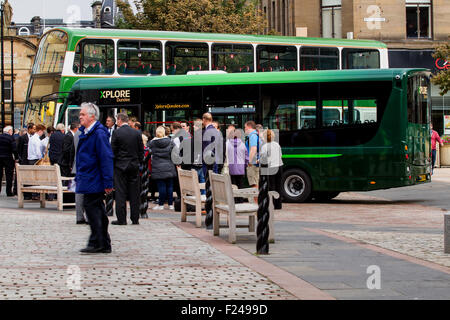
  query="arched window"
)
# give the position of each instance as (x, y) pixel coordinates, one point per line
(107, 10)
(24, 31)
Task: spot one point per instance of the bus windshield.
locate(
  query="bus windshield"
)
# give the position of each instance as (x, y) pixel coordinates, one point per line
(45, 77)
(51, 53)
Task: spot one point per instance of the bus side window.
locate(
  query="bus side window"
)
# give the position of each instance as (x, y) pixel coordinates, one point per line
(94, 57)
(314, 58)
(276, 58)
(306, 114)
(232, 57)
(360, 58)
(139, 57)
(348, 112)
(182, 57)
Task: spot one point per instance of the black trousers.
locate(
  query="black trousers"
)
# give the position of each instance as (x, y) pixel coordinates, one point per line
(275, 185)
(238, 180)
(8, 165)
(128, 186)
(98, 221)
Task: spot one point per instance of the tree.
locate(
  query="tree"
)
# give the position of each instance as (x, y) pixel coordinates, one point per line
(442, 78)
(216, 16)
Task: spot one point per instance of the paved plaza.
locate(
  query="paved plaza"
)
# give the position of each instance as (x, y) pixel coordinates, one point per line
(322, 251)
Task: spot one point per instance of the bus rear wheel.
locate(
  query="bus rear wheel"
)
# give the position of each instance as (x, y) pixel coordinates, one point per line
(296, 186)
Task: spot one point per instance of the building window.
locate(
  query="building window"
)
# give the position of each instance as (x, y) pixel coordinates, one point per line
(418, 18)
(331, 18)
(24, 31)
(7, 90)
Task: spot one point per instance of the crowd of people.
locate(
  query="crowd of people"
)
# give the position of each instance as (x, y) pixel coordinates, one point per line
(109, 160)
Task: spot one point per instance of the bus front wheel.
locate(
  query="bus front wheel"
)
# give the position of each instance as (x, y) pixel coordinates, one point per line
(296, 186)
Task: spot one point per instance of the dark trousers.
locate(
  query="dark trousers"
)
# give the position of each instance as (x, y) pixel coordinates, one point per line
(238, 181)
(98, 221)
(127, 186)
(275, 185)
(165, 191)
(8, 165)
(433, 159)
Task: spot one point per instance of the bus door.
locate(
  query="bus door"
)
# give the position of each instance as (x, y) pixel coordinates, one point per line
(72, 115)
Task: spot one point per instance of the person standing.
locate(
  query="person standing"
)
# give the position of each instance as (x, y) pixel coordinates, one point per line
(8, 155)
(94, 177)
(79, 197)
(237, 157)
(56, 141)
(22, 145)
(128, 150)
(272, 150)
(434, 138)
(35, 145)
(253, 148)
(163, 169)
(211, 135)
(67, 156)
(111, 126)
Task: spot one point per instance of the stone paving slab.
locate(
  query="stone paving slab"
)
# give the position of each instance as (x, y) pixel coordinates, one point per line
(425, 246)
(39, 259)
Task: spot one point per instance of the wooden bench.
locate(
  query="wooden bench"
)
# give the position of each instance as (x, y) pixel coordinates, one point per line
(190, 194)
(223, 203)
(43, 180)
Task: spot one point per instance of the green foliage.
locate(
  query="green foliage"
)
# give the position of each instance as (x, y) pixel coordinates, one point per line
(215, 16)
(442, 78)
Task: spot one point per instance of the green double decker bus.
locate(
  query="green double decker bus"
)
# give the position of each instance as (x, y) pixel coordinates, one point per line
(66, 55)
(347, 130)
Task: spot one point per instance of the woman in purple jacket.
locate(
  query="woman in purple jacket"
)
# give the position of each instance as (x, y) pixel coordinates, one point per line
(237, 157)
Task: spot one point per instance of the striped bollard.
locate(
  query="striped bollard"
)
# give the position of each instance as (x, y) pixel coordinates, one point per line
(144, 187)
(109, 204)
(262, 229)
(208, 202)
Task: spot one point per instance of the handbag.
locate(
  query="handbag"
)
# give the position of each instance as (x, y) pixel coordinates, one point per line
(45, 160)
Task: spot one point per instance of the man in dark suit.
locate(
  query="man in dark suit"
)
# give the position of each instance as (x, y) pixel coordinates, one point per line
(22, 146)
(68, 151)
(56, 144)
(111, 126)
(8, 152)
(128, 150)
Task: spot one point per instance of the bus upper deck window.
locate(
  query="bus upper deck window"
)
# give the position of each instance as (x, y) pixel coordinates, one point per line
(360, 58)
(94, 57)
(276, 58)
(318, 58)
(139, 57)
(182, 57)
(232, 58)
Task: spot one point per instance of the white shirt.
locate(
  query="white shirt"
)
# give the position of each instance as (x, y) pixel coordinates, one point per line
(90, 127)
(35, 148)
(274, 156)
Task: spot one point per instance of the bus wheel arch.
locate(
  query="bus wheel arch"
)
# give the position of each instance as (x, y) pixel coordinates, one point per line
(296, 185)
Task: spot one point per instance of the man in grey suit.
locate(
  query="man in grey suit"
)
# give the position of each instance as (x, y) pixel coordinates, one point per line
(79, 197)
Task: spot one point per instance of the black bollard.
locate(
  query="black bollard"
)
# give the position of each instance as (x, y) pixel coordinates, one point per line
(144, 187)
(262, 230)
(109, 204)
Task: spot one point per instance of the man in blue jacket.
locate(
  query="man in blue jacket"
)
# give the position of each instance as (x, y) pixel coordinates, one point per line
(94, 177)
